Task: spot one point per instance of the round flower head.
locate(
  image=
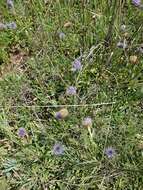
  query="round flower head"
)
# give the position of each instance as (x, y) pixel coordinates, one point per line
(71, 90)
(11, 25)
(21, 132)
(136, 2)
(62, 35)
(87, 122)
(10, 4)
(110, 152)
(58, 149)
(63, 113)
(77, 66)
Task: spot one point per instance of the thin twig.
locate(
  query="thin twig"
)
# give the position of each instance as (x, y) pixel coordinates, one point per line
(65, 105)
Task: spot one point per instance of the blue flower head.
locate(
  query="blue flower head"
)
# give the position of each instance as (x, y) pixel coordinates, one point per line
(136, 2)
(58, 149)
(71, 90)
(77, 66)
(21, 132)
(110, 152)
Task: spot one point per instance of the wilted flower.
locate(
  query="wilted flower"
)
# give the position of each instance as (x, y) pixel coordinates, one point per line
(11, 25)
(77, 66)
(63, 113)
(10, 4)
(136, 2)
(71, 90)
(62, 35)
(123, 27)
(87, 122)
(110, 152)
(122, 45)
(140, 49)
(58, 149)
(3, 26)
(21, 132)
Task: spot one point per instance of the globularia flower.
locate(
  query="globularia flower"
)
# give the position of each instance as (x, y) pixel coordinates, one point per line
(136, 2)
(58, 149)
(77, 66)
(87, 122)
(71, 90)
(110, 152)
(11, 25)
(21, 132)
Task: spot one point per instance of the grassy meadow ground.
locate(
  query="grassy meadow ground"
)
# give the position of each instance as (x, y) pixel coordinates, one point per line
(36, 62)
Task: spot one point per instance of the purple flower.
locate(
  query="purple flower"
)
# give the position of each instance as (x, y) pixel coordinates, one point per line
(87, 122)
(62, 35)
(71, 90)
(77, 66)
(21, 132)
(136, 2)
(10, 4)
(11, 25)
(110, 152)
(58, 115)
(58, 149)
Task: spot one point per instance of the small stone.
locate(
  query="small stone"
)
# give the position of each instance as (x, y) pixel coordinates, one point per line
(68, 24)
(63, 113)
(140, 145)
(94, 16)
(133, 59)
(126, 34)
